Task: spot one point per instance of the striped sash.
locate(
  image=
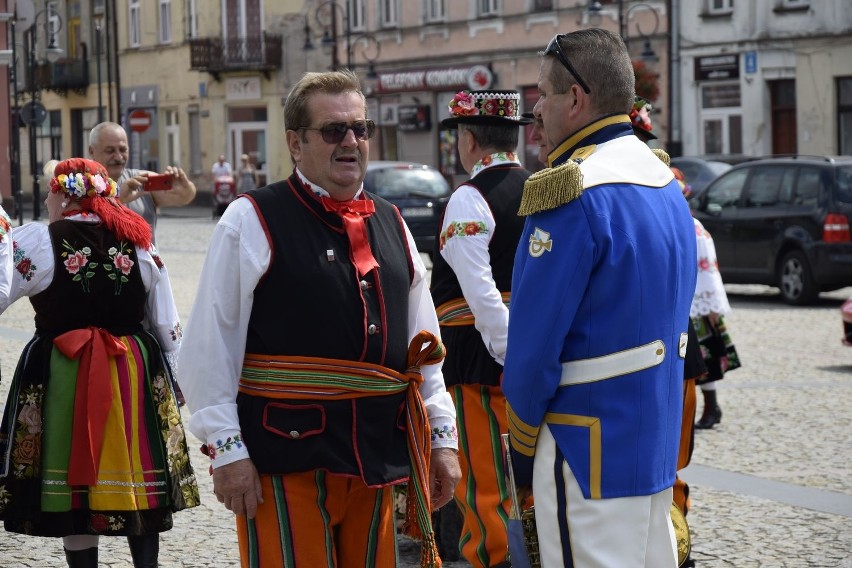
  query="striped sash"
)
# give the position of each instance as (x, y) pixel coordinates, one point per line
(314, 378)
(457, 311)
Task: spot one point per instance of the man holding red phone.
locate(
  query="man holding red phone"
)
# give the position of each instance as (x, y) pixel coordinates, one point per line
(142, 191)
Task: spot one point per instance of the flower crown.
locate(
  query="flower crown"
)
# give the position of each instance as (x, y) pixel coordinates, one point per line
(79, 185)
(503, 105)
(639, 114)
(80, 177)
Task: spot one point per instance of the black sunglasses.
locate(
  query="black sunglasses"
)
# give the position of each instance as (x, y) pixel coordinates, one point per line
(335, 132)
(554, 49)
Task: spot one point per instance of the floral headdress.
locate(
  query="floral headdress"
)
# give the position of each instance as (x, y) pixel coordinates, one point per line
(640, 117)
(79, 178)
(485, 107)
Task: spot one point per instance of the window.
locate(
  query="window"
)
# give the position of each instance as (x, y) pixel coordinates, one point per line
(436, 10)
(721, 118)
(357, 17)
(172, 138)
(390, 13)
(165, 21)
(720, 6)
(725, 193)
(807, 188)
(191, 18)
(134, 22)
(542, 5)
(489, 7)
(794, 4)
(844, 115)
(764, 187)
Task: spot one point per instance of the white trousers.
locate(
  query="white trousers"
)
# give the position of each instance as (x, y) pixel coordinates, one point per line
(625, 532)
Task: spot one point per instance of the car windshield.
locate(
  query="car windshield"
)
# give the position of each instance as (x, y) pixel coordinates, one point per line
(844, 184)
(403, 181)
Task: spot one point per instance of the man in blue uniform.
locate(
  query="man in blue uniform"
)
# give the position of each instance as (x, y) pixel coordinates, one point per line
(602, 284)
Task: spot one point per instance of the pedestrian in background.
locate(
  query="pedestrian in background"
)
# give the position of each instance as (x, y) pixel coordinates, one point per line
(221, 168)
(91, 441)
(471, 287)
(309, 426)
(108, 145)
(602, 284)
(246, 175)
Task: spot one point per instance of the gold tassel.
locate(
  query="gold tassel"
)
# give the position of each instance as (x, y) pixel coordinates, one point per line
(429, 557)
(661, 154)
(551, 187)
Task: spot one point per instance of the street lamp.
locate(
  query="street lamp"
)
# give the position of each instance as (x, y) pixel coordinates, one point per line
(326, 16)
(594, 9)
(34, 113)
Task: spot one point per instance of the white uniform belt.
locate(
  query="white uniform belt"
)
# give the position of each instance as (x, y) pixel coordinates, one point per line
(616, 364)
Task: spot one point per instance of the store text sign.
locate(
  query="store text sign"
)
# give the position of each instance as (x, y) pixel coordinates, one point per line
(475, 78)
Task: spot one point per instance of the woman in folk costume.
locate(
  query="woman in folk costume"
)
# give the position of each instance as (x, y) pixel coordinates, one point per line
(91, 441)
(709, 305)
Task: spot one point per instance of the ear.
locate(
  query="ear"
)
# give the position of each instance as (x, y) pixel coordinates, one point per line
(470, 142)
(294, 145)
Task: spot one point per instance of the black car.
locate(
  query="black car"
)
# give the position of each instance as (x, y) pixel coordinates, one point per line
(782, 221)
(419, 191)
(699, 172)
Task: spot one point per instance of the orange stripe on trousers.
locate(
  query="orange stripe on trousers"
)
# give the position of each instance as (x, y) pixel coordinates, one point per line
(483, 504)
(316, 519)
(687, 429)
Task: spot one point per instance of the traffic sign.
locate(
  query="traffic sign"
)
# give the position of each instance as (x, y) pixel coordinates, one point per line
(139, 120)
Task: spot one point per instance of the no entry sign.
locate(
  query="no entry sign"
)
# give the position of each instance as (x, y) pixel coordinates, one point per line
(139, 120)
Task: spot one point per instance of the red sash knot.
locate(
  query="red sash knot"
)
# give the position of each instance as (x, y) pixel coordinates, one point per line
(353, 213)
(94, 347)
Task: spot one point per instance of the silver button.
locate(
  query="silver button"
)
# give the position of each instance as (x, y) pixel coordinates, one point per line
(372, 329)
(364, 284)
(294, 434)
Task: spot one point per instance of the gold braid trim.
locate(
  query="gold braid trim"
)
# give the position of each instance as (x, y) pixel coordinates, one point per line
(661, 154)
(551, 187)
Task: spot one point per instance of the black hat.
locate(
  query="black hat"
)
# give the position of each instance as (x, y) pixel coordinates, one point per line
(529, 115)
(496, 108)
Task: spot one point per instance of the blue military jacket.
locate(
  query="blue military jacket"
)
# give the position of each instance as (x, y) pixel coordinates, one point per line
(610, 268)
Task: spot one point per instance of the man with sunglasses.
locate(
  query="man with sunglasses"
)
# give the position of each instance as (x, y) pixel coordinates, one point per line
(601, 291)
(471, 287)
(311, 362)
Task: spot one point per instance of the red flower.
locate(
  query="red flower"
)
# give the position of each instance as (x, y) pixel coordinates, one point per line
(491, 107)
(75, 262)
(471, 228)
(24, 266)
(123, 263)
(99, 523)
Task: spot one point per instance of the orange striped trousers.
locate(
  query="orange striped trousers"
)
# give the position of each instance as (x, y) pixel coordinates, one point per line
(315, 520)
(482, 493)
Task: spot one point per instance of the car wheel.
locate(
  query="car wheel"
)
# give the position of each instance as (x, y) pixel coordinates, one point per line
(795, 280)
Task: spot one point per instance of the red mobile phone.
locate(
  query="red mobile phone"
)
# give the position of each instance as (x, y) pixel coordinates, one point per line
(158, 182)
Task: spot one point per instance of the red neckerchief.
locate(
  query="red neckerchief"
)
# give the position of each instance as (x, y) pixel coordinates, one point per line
(353, 213)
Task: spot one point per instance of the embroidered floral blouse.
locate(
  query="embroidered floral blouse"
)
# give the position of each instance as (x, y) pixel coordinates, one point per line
(710, 296)
(32, 267)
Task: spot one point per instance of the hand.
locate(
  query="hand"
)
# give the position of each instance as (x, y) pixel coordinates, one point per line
(131, 189)
(444, 474)
(237, 486)
(181, 193)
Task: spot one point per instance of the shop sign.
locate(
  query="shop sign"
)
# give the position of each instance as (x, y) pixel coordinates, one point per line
(441, 79)
(414, 118)
(717, 67)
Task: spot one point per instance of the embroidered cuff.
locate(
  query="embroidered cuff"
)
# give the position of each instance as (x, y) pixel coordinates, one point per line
(445, 436)
(224, 449)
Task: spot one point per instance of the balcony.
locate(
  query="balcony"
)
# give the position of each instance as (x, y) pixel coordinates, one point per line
(217, 55)
(62, 76)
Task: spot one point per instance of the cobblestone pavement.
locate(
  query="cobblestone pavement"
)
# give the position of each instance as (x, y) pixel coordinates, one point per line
(771, 485)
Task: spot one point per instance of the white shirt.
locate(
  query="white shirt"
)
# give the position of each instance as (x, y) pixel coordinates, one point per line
(212, 352)
(223, 169)
(469, 258)
(32, 266)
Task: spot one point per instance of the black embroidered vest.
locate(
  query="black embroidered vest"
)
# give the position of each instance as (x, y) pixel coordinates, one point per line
(96, 282)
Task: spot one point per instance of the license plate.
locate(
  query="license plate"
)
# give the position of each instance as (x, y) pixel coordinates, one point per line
(417, 212)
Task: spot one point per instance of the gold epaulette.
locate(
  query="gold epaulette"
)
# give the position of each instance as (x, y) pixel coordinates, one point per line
(551, 187)
(661, 154)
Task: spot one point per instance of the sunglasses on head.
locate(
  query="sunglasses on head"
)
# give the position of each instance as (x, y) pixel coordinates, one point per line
(554, 49)
(335, 132)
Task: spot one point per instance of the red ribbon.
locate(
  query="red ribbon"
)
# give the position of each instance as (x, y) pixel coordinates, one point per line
(353, 213)
(94, 347)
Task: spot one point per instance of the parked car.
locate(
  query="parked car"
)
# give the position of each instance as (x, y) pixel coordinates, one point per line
(782, 221)
(846, 318)
(418, 190)
(699, 172)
